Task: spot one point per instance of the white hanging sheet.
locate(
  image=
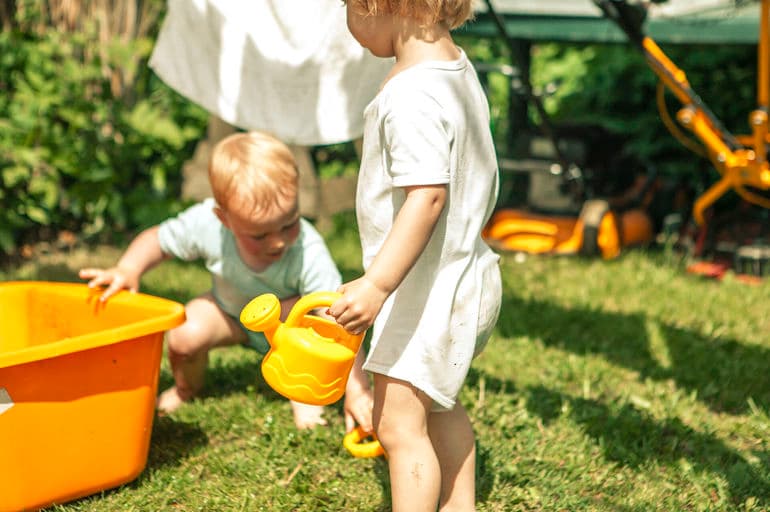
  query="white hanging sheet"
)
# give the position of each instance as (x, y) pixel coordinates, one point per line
(289, 67)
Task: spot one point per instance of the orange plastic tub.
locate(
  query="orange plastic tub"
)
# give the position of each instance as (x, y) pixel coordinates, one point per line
(78, 381)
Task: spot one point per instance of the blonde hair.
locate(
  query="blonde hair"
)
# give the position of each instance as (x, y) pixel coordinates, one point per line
(453, 13)
(252, 172)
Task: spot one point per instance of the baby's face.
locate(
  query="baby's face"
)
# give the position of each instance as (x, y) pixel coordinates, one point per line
(263, 239)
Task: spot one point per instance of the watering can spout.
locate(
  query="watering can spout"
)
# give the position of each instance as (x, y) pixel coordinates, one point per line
(263, 314)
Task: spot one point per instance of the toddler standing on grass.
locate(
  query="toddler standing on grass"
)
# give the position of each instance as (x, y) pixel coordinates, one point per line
(431, 288)
(253, 241)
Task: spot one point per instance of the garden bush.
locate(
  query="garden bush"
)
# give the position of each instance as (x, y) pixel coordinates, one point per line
(90, 140)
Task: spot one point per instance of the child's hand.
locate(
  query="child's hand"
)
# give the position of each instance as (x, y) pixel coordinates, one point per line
(360, 303)
(115, 279)
(359, 402)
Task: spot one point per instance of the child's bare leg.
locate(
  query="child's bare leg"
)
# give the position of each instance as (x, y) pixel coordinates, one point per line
(307, 416)
(454, 442)
(401, 423)
(206, 327)
(188, 371)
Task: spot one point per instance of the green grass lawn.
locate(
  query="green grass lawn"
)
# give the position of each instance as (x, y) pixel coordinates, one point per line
(617, 386)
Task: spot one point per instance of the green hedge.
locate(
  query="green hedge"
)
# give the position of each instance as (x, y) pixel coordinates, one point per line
(612, 85)
(73, 155)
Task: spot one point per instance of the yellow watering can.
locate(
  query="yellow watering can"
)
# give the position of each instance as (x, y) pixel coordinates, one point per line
(310, 357)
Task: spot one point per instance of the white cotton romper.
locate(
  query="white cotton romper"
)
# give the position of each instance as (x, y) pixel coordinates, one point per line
(430, 125)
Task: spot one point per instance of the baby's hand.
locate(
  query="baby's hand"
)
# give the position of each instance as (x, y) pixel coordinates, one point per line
(360, 303)
(115, 279)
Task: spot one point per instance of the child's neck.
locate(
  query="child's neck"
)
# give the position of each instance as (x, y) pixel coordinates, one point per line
(414, 43)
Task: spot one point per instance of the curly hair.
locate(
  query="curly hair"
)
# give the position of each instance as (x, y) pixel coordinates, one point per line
(453, 13)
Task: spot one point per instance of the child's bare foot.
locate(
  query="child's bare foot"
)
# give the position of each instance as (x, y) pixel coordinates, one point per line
(169, 401)
(307, 416)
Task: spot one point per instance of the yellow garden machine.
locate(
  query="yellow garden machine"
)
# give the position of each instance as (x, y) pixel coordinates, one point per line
(572, 190)
(741, 160)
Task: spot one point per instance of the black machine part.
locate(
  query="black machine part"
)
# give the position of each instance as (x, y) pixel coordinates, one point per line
(572, 171)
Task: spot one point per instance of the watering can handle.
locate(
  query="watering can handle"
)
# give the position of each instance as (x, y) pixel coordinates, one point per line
(308, 303)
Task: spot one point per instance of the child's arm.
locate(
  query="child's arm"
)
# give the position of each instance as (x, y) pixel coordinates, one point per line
(413, 227)
(142, 254)
(358, 397)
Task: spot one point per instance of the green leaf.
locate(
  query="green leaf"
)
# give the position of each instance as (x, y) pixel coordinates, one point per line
(14, 175)
(158, 176)
(46, 190)
(149, 121)
(38, 214)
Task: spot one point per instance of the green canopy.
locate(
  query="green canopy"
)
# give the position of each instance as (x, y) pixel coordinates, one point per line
(675, 21)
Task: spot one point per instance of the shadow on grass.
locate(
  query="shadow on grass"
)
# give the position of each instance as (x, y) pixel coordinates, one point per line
(723, 372)
(492, 383)
(238, 371)
(173, 441)
(484, 473)
(630, 437)
(383, 477)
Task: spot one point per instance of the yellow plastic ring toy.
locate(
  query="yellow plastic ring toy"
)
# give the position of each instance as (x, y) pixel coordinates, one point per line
(352, 443)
